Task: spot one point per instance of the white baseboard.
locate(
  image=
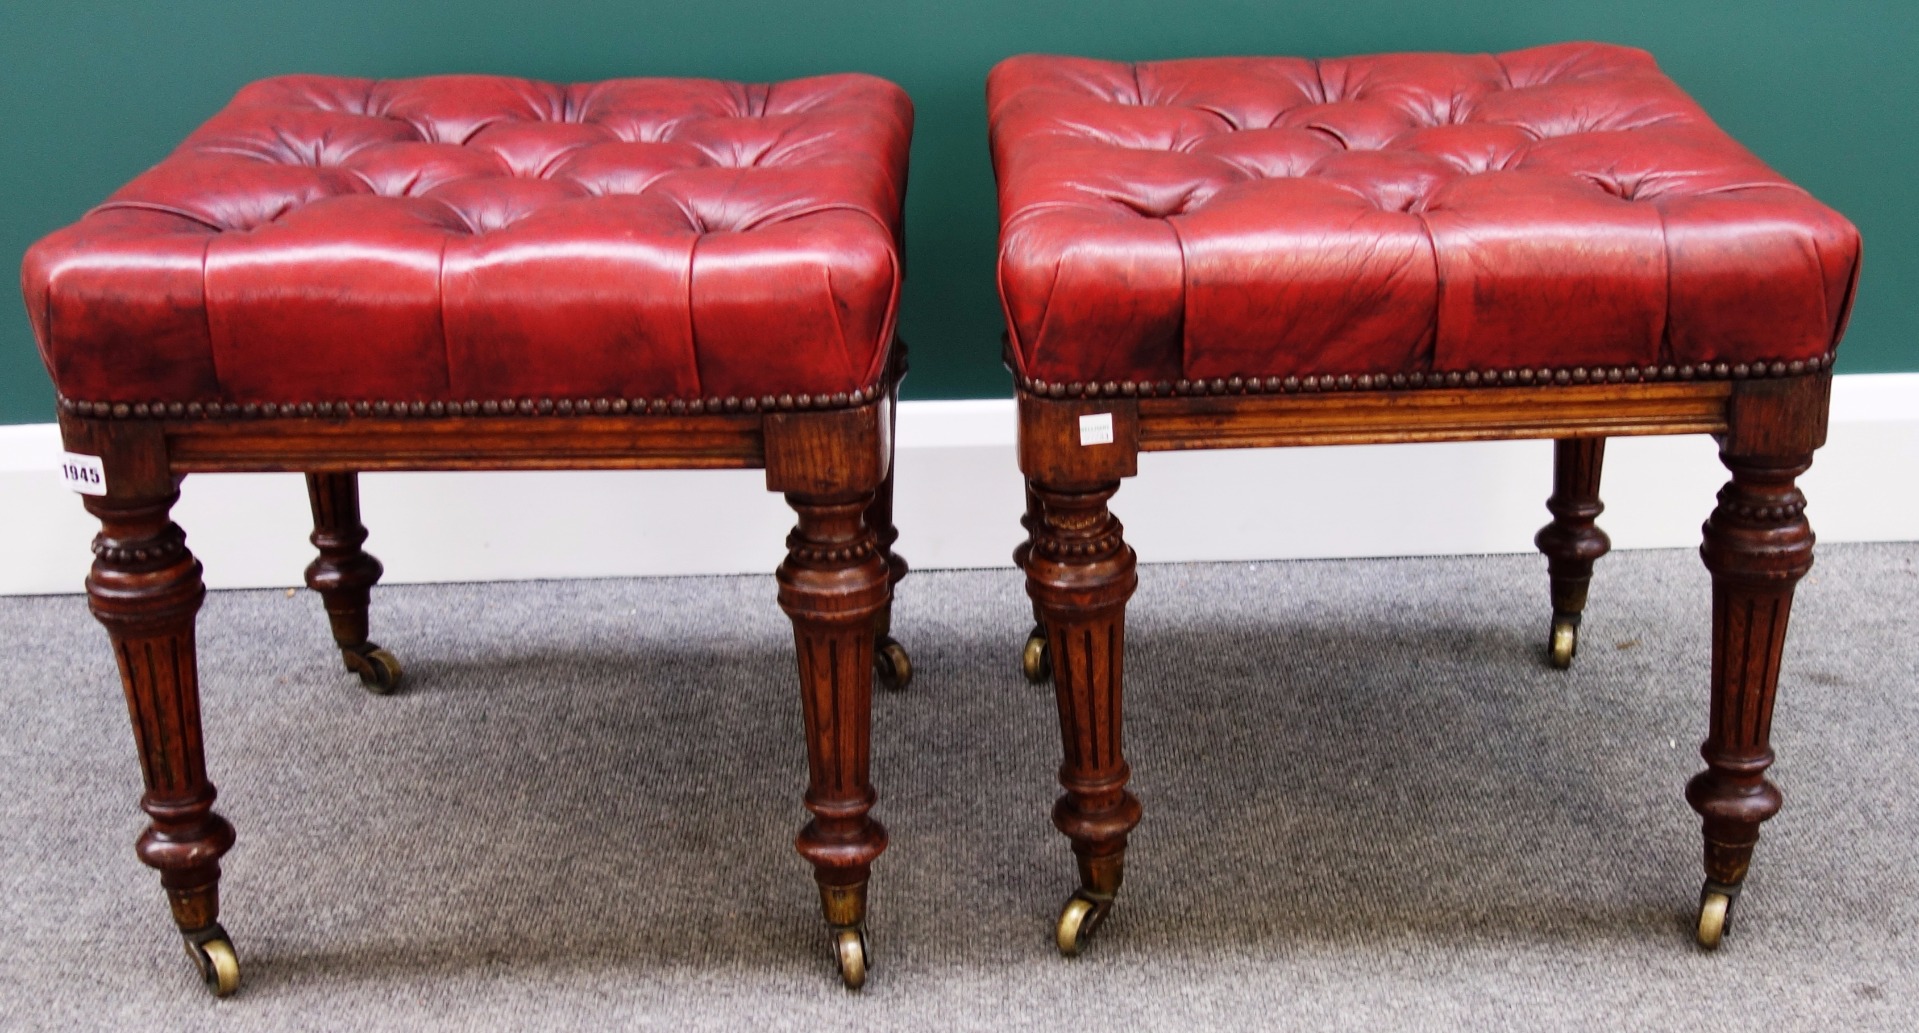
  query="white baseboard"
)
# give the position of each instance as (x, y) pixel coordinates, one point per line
(959, 502)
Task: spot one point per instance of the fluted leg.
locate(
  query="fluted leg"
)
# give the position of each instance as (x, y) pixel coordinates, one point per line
(1572, 542)
(834, 585)
(344, 574)
(145, 588)
(1029, 522)
(890, 661)
(880, 519)
(1080, 573)
(1034, 660)
(1757, 546)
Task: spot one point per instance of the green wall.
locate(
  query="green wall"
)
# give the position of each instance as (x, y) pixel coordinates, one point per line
(92, 93)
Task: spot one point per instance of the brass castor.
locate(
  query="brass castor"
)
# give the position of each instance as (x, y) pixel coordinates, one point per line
(1035, 659)
(378, 669)
(1078, 920)
(212, 954)
(849, 946)
(1565, 643)
(1715, 916)
(892, 665)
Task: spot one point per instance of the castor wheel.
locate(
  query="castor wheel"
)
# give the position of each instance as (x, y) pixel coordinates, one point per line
(1078, 920)
(1035, 659)
(378, 669)
(1565, 642)
(1715, 916)
(849, 946)
(892, 665)
(212, 954)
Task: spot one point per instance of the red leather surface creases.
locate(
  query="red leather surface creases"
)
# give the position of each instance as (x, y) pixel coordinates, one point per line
(1563, 206)
(475, 237)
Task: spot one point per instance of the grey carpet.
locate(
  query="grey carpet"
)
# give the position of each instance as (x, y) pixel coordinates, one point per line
(1369, 805)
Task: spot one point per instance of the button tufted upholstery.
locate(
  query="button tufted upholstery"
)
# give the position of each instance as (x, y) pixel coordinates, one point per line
(468, 238)
(1382, 220)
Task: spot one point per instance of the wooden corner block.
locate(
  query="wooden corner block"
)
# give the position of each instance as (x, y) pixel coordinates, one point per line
(133, 453)
(1777, 417)
(1078, 442)
(828, 453)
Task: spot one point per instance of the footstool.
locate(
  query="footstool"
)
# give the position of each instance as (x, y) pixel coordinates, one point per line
(456, 273)
(1263, 252)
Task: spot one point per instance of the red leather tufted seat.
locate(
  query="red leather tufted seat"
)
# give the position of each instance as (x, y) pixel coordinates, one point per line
(1555, 214)
(472, 240)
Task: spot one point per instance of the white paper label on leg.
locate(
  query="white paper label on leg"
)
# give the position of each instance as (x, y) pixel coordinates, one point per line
(83, 474)
(1096, 429)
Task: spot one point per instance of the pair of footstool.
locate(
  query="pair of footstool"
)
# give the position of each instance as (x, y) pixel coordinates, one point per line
(336, 275)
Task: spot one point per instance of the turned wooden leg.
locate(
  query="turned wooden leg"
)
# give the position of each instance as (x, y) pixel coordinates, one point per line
(1080, 572)
(1758, 545)
(890, 661)
(1034, 661)
(1572, 542)
(145, 588)
(344, 574)
(834, 585)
